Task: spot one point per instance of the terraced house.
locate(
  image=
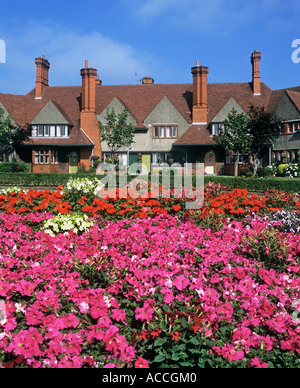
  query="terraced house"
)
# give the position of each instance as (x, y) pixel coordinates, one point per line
(173, 122)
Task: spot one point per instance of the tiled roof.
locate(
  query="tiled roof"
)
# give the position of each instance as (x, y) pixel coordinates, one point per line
(141, 100)
(196, 135)
(218, 95)
(295, 97)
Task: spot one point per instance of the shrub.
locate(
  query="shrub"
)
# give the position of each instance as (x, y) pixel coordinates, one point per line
(292, 170)
(281, 169)
(246, 171)
(261, 172)
(14, 167)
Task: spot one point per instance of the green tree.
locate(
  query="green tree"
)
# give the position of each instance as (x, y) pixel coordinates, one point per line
(117, 133)
(264, 129)
(11, 136)
(235, 136)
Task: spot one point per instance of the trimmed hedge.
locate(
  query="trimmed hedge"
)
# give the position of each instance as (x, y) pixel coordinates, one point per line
(250, 184)
(257, 184)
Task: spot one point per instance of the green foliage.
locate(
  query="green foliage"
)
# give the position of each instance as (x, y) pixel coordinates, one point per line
(10, 137)
(117, 132)
(264, 128)
(13, 167)
(235, 136)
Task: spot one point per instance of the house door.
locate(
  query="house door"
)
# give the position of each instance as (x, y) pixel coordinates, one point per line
(133, 160)
(73, 163)
(146, 167)
(210, 163)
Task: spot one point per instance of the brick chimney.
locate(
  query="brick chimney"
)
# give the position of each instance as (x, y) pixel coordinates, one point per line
(88, 119)
(255, 60)
(199, 114)
(147, 81)
(42, 76)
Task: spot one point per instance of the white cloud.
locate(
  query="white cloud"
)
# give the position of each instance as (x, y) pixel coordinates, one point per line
(208, 16)
(66, 50)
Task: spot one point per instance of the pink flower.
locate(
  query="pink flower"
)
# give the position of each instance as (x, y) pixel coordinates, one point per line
(145, 312)
(141, 363)
(83, 307)
(69, 320)
(34, 317)
(181, 282)
(257, 363)
(119, 315)
(99, 308)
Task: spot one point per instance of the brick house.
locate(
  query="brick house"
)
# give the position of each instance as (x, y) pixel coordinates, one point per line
(172, 121)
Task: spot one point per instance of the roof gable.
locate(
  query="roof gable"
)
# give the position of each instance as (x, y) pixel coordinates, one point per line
(118, 106)
(165, 112)
(222, 115)
(51, 113)
(287, 107)
(6, 114)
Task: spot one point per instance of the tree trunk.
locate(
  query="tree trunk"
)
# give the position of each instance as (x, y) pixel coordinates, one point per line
(236, 165)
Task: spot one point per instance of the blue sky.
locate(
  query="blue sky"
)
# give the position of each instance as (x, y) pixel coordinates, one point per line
(129, 39)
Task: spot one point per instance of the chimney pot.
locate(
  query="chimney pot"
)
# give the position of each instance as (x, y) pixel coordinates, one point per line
(147, 81)
(98, 80)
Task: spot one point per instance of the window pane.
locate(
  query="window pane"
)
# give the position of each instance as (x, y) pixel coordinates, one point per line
(162, 132)
(58, 131)
(65, 131)
(52, 130)
(155, 158)
(34, 131)
(174, 134)
(47, 157)
(168, 131)
(46, 130)
(36, 158)
(40, 130)
(42, 157)
(156, 132)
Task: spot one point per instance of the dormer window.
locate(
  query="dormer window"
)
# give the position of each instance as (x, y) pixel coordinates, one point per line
(50, 131)
(215, 128)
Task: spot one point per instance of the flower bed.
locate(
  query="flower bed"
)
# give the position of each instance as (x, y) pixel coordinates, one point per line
(124, 204)
(160, 290)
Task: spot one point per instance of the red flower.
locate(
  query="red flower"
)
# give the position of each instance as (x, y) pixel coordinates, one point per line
(175, 336)
(176, 207)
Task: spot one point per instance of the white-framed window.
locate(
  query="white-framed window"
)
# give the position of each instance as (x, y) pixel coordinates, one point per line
(215, 128)
(50, 130)
(54, 156)
(155, 157)
(41, 157)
